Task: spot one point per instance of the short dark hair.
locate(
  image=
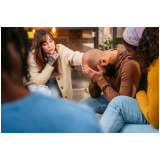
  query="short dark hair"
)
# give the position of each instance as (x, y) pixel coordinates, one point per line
(18, 37)
(110, 70)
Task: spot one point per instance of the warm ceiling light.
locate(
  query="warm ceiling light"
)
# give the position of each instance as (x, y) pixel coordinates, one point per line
(53, 29)
(33, 30)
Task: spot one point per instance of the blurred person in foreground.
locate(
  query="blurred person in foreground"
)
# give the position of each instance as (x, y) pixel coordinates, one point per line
(49, 66)
(143, 45)
(25, 112)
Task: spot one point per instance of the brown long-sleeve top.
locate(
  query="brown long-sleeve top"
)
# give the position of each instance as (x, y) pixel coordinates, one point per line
(124, 82)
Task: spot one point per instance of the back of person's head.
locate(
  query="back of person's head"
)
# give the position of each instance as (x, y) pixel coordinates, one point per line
(14, 47)
(91, 58)
(148, 48)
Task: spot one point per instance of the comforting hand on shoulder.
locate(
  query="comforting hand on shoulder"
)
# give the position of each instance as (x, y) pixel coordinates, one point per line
(52, 58)
(94, 75)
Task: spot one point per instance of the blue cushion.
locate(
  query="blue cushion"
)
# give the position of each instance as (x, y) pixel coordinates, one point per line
(138, 128)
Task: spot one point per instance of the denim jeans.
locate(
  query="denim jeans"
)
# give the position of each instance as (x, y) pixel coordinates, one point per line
(120, 111)
(99, 104)
(50, 89)
(41, 89)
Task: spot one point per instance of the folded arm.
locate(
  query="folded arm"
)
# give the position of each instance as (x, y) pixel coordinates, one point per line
(130, 78)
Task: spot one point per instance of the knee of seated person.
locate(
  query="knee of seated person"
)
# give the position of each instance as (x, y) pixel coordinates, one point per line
(116, 103)
(44, 90)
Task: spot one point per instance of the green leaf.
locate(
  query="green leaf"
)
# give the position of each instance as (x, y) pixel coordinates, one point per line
(106, 48)
(29, 29)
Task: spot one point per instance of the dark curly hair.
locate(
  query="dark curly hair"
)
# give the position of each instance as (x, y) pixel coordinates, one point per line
(148, 48)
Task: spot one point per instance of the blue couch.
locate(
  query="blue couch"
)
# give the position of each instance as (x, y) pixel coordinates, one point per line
(138, 128)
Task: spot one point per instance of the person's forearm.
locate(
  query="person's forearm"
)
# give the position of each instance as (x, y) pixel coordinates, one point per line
(110, 93)
(107, 90)
(94, 89)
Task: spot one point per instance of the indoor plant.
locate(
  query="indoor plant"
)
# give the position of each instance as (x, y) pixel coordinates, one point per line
(107, 44)
(30, 32)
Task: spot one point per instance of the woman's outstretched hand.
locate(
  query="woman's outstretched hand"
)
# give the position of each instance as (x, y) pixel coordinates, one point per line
(52, 58)
(92, 74)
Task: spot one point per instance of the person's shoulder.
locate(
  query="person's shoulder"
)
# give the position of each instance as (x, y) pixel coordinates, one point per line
(120, 51)
(65, 104)
(61, 49)
(31, 57)
(60, 46)
(76, 114)
(154, 68)
(31, 54)
(130, 65)
(130, 61)
(154, 65)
